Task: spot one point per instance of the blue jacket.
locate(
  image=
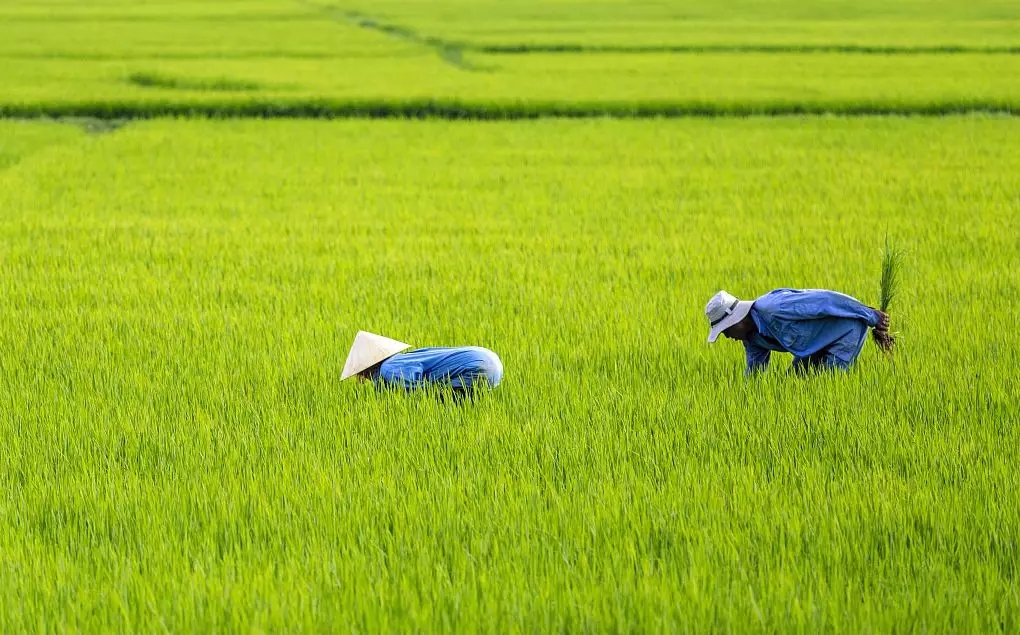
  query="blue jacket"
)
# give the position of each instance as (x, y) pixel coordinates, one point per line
(460, 367)
(810, 323)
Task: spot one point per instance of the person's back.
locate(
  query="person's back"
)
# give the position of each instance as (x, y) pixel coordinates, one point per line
(459, 367)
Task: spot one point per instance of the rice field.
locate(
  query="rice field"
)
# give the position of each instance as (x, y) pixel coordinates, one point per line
(179, 295)
(524, 86)
(506, 60)
(180, 453)
(650, 24)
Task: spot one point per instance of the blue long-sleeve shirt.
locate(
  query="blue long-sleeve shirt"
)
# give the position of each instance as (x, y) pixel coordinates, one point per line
(806, 323)
(459, 367)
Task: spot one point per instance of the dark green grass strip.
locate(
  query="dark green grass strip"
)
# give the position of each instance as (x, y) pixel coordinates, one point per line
(158, 80)
(455, 109)
(523, 49)
(454, 53)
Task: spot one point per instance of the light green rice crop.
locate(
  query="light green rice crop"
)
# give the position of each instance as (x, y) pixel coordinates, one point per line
(522, 86)
(657, 23)
(179, 297)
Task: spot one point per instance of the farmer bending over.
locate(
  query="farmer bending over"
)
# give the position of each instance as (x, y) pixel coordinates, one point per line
(379, 359)
(823, 329)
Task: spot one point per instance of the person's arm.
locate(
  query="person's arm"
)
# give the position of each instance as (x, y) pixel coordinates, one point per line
(757, 358)
(813, 304)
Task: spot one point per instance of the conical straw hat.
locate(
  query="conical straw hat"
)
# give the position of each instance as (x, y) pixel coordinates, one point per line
(368, 350)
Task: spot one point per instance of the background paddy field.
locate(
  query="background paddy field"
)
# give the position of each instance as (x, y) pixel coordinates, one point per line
(502, 60)
(178, 295)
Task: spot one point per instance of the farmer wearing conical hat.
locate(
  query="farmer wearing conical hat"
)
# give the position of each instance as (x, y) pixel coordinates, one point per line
(382, 360)
(822, 329)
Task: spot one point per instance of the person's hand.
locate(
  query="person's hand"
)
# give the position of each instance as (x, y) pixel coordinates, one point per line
(881, 334)
(883, 320)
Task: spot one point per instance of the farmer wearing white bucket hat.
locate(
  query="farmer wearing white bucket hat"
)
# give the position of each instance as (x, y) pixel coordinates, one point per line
(822, 329)
(380, 359)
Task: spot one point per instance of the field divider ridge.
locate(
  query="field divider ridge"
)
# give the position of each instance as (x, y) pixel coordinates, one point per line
(483, 111)
(450, 52)
(861, 49)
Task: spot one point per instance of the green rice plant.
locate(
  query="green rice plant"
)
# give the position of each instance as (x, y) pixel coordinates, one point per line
(19, 139)
(179, 297)
(315, 63)
(892, 263)
(865, 27)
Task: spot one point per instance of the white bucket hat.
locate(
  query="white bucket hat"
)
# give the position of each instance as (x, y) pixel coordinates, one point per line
(368, 350)
(723, 311)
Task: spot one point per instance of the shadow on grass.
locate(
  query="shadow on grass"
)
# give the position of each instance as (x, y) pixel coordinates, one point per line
(95, 125)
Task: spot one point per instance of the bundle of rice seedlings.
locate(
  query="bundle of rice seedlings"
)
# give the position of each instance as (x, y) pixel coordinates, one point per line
(892, 262)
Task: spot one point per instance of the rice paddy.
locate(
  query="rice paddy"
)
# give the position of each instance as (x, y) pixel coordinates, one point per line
(179, 295)
(487, 60)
